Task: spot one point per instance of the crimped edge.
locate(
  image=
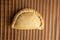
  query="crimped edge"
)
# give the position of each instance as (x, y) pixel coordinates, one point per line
(27, 10)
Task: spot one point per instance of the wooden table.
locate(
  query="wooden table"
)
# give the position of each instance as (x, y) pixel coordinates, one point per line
(49, 9)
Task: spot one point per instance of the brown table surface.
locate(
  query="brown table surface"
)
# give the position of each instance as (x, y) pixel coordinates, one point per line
(49, 9)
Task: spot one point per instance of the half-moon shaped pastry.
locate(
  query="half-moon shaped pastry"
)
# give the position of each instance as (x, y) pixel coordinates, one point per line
(28, 19)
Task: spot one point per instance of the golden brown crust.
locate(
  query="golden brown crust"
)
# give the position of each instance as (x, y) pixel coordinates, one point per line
(28, 10)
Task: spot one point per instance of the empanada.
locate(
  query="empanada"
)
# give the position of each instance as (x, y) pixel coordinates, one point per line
(28, 19)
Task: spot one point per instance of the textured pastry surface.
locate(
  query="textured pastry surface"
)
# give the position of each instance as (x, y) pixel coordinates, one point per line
(27, 19)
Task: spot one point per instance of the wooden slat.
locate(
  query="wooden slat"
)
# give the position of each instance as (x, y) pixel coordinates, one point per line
(49, 9)
(2, 20)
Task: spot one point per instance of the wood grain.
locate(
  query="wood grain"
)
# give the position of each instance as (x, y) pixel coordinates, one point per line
(49, 9)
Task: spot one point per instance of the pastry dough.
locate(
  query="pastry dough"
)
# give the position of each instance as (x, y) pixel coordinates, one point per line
(28, 19)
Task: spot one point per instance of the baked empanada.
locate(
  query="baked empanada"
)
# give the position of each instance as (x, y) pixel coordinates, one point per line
(28, 19)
